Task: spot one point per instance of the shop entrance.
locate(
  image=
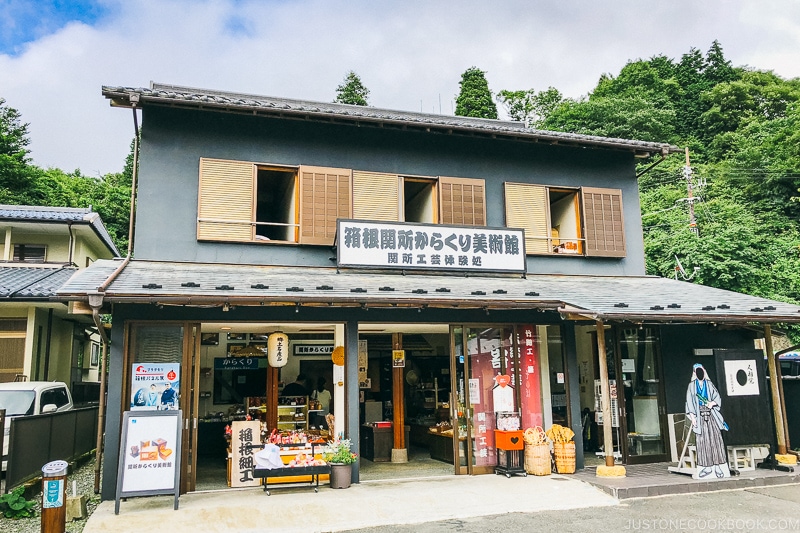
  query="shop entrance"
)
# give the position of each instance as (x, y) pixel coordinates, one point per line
(419, 375)
(497, 385)
(638, 418)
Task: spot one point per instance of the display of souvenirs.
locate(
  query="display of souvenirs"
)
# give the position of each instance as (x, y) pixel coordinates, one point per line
(508, 421)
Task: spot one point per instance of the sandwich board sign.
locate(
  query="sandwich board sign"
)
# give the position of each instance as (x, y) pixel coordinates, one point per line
(150, 455)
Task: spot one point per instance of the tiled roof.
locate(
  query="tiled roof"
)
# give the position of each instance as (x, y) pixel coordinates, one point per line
(227, 101)
(607, 297)
(24, 283)
(75, 215)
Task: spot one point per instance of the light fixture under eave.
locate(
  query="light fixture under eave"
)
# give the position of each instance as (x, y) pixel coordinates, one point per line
(226, 307)
(297, 307)
(225, 328)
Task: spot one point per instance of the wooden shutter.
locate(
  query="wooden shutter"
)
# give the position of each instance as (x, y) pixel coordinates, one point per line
(526, 208)
(603, 224)
(376, 196)
(462, 201)
(325, 195)
(225, 200)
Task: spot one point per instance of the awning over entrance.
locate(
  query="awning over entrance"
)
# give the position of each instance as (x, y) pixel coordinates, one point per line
(635, 298)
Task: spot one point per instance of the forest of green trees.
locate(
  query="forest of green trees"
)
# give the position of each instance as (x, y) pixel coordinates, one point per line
(741, 125)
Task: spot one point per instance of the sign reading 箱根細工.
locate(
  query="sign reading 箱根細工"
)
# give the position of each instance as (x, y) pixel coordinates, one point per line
(429, 246)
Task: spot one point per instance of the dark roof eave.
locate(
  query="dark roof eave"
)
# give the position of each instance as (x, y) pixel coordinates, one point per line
(121, 97)
(697, 318)
(204, 299)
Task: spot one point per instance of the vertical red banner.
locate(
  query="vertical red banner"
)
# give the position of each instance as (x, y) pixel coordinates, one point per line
(530, 376)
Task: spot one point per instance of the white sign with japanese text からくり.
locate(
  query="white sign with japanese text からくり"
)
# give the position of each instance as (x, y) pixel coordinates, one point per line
(429, 246)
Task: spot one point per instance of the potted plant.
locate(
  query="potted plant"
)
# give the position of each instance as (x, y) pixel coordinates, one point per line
(338, 454)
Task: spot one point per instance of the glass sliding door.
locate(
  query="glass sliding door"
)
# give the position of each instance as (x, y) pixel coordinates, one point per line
(171, 346)
(644, 412)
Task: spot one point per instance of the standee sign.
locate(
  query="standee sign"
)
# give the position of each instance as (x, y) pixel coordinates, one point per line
(429, 246)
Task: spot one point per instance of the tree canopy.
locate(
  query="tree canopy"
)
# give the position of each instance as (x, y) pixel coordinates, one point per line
(352, 91)
(475, 98)
(23, 183)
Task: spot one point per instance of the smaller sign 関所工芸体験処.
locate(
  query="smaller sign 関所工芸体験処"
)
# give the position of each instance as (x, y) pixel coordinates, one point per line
(429, 246)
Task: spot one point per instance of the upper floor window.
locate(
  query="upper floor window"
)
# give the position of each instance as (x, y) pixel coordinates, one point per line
(30, 253)
(396, 198)
(559, 220)
(241, 201)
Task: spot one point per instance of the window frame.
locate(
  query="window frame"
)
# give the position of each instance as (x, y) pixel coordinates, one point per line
(520, 198)
(19, 253)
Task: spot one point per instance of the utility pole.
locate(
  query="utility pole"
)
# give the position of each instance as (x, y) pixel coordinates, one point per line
(687, 172)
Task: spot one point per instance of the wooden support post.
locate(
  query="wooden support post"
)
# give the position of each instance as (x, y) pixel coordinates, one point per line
(272, 398)
(605, 395)
(777, 407)
(399, 452)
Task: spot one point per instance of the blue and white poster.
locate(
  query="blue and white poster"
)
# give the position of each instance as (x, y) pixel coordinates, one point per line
(155, 386)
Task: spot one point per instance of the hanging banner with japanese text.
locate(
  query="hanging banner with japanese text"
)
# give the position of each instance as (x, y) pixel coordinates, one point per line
(429, 246)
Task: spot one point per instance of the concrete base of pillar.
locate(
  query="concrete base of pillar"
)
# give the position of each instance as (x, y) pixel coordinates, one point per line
(399, 455)
(786, 459)
(611, 471)
(76, 507)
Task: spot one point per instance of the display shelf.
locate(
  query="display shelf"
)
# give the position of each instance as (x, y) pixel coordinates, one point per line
(293, 416)
(295, 474)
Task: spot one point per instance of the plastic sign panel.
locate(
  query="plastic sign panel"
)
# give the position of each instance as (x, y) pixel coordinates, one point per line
(741, 378)
(149, 455)
(155, 386)
(429, 246)
(398, 358)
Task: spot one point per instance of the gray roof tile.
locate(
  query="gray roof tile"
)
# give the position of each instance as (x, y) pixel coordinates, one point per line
(23, 283)
(643, 297)
(220, 100)
(34, 213)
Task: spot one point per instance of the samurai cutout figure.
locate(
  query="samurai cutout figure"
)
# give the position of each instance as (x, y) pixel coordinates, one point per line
(703, 409)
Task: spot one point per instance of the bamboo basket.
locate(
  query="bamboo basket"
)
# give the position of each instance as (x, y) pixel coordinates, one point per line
(564, 453)
(537, 459)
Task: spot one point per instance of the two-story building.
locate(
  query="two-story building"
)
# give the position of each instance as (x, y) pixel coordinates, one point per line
(40, 338)
(472, 269)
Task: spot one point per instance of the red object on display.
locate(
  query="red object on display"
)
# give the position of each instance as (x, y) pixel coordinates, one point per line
(509, 440)
(531, 388)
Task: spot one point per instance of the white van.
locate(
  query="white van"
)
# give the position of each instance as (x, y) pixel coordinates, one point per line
(27, 398)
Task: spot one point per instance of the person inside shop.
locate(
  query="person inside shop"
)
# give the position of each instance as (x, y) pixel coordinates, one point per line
(323, 396)
(297, 387)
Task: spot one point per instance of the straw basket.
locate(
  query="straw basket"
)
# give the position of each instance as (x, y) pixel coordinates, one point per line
(564, 453)
(537, 459)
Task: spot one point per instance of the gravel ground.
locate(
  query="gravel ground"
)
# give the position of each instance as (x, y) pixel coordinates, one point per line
(84, 476)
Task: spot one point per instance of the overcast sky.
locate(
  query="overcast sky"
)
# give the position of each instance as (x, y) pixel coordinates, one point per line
(55, 55)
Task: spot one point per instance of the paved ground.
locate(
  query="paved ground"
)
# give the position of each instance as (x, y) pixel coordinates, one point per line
(752, 510)
(580, 502)
(369, 504)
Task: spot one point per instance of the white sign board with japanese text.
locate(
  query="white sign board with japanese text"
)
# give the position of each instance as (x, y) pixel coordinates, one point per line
(244, 433)
(429, 246)
(149, 454)
(741, 378)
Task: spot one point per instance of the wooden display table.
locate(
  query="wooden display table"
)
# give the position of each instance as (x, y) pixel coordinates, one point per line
(292, 472)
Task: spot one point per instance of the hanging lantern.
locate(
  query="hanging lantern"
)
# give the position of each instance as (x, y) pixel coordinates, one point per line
(338, 356)
(277, 349)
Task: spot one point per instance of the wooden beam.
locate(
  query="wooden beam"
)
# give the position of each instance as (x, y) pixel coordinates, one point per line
(605, 395)
(777, 407)
(272, 398)
(398, 420)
